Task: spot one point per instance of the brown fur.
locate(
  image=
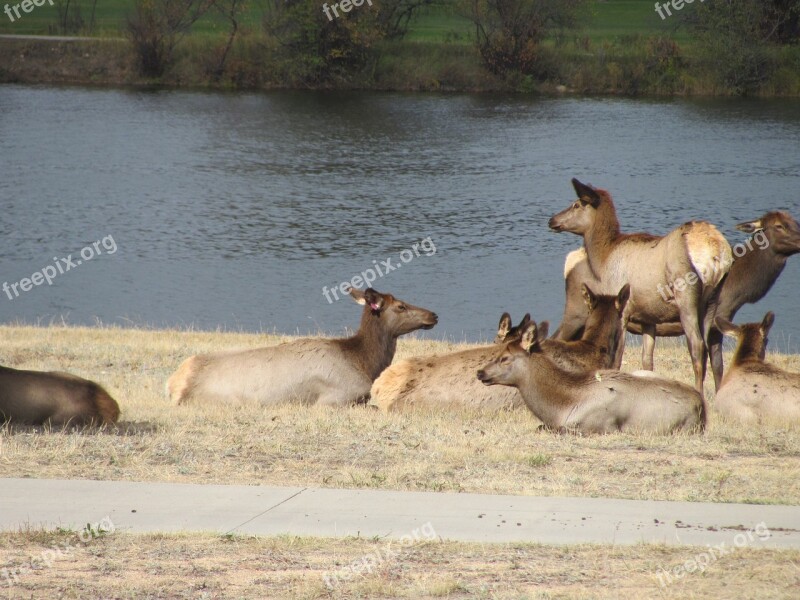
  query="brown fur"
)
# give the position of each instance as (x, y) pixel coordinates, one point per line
(308, 371)
(446, 381)
(599, 402)
(600, 340)
(749, 279)
(54, 398)
(754, 391)
(646, 262)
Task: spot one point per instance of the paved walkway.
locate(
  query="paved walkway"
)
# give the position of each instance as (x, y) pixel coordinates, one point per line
(259, 510)
(57, 38)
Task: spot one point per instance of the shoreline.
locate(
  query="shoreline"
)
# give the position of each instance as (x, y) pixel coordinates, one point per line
(398, 67)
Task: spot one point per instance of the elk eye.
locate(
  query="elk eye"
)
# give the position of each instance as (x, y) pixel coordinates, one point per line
(401, 307)
(779, 227)
(576, 205)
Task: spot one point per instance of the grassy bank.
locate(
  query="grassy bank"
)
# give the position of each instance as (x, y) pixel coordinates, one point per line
(121, 565)
(623, 47)
(364, 448)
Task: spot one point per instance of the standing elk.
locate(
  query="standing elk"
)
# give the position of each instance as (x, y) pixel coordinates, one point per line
(690, 261)
(53, 398)
(308, 371)
(752, 274)
(598, 402)
(753, 390)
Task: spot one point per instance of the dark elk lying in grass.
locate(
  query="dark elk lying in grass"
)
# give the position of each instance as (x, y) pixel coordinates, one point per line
(53, 398)
(757, 264)
(645, 261)
(593, 402)
(306, 371)
(446, 381)
(752, 390)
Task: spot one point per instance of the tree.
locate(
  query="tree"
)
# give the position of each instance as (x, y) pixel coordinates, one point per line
(231, 10)
(735, 37)
(508, 32)
(156, 28)
(321, 47)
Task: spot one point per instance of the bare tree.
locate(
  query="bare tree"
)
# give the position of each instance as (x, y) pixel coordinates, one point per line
(156, 28)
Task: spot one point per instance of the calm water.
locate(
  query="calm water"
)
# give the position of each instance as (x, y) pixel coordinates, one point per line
(234, 210)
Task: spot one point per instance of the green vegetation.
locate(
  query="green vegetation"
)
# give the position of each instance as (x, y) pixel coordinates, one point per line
(581, 46)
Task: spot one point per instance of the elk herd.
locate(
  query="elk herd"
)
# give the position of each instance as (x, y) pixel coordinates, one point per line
(688, 282)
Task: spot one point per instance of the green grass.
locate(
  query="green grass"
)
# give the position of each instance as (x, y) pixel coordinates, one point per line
(603, 20)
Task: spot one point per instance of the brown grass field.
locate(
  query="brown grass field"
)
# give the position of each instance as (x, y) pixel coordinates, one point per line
(361, 447)
(205, 567)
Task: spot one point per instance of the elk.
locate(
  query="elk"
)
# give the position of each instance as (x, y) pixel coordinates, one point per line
(449, 381)
(695, 253)
(753, 272)
(752, 390)
(335, 372)
(53, 398)
(446, 380)
(599, 341)
(592, 402)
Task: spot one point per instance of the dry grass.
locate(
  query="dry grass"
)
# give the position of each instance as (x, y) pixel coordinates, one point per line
(363, 448)
(209, 567)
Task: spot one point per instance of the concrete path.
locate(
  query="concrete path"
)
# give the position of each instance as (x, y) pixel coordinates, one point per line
(57, 38)
(172, 507)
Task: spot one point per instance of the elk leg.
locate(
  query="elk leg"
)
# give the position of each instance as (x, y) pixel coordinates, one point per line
(715, 350)
(697, 347)
(620, 350)
(648, 346)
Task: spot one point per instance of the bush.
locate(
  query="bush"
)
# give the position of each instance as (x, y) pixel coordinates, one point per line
(157, 26)
(508, 33)
(735, 39)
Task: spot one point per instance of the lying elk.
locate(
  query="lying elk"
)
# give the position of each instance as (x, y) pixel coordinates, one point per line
(308, 371)
(53, 398)
(753, 390)
(446, 380)
(598, 402)
(754, 271)
(449, 380)
(696, 251)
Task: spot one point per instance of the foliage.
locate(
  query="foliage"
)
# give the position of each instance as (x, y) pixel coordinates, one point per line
(735, 37)
(157, 26)
(323, 48)
(508, 33)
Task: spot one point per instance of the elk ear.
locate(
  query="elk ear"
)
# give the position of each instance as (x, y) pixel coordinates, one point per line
(586, 192)
(768, 321)
(525, 320)
(750, 226)
(623, 297)
(528, 339)
(589, 297)
(726, 326)
(505, 325)
(542, 331)
(368, 297)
